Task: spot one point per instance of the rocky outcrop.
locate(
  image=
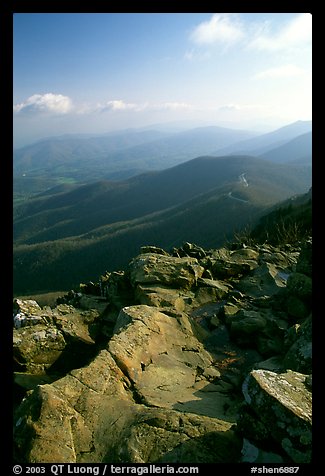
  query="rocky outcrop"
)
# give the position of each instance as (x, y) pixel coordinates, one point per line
(43, 338)
(145, 398)
(192, 356)
(151, 268)
(282, 403)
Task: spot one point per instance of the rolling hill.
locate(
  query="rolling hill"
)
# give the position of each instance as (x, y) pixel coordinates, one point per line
(77, 235)
(298, 151)
(50, 217)
(114, 156)
(263, 143)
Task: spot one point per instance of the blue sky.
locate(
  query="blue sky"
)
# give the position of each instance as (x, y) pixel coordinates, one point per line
(97, 72)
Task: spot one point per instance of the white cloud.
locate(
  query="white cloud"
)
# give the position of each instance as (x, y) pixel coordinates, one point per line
(295, 34)
(58, 104)
(228, 28)
(48, 103)
(284, 71)
(118, 105)
(221, 28)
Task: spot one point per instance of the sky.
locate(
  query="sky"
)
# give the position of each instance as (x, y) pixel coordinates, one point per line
(100, 72)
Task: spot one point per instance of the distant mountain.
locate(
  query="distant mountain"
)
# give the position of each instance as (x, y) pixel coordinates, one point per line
(298, 150)
(70, 150)
(115, 156)
(266, 142)
(120, 155)
(87, 207)
(76, 235)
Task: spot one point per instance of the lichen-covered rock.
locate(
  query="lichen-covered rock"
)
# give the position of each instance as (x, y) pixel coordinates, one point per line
(210, 290)
(284, 259)
(282, 404)
(162, 296)
(264, 280)
(76, 325)
(69, 421)
(165, 270)
(27, 312)
(148, 397)
(53, 339)
(36, 348)
(223, 268)
(166, 436)
(164, 360)
(161, 381)
(153, 249)
(26, 306)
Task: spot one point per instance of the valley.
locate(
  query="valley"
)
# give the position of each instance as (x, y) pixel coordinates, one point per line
(74, 230)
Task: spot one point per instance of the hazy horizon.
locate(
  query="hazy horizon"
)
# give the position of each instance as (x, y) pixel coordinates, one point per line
(94, 73)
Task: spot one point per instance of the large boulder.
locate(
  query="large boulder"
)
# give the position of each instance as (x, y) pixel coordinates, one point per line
(166, 363)
(167, 436)
(226, 264)
(75, 324)
(149, 397)
(27, 312)
(281, 405)
(37, 348)
(163, 297)
(211, 290)
(265, 280)
(52, 339)
(151, 268)
(26, 306)
(153, 362)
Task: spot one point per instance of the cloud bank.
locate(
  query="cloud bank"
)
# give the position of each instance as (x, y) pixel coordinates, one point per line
(45, 103)
(58, 104)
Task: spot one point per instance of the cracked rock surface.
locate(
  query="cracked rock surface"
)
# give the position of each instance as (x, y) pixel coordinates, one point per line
(123, 406)
(198, 356)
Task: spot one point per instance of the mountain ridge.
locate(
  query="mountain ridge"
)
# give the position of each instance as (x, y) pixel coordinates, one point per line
(123, 154)
(147, 193)
(297, 150)
(122, 151)
(265, 142)
(207, 218)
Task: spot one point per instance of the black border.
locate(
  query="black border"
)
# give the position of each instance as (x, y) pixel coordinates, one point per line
(8, 9)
